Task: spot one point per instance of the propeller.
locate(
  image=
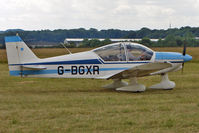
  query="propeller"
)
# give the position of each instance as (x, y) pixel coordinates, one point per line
(184, 50)
(184, 53)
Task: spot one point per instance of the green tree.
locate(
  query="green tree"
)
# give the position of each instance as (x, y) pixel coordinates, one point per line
(189, 36)
(170, 40)
(146, 41)
(179, 41)
(85, 43)
(95, 43)
(106, 41)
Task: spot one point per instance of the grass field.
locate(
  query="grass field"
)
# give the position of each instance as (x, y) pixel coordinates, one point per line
(81, 105)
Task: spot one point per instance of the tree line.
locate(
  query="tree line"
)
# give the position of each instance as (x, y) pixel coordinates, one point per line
(170, 37)
(169, 41)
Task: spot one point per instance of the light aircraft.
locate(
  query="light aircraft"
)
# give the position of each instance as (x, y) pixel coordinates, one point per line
(117, 61)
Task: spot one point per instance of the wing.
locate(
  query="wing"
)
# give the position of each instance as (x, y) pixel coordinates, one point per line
(141, 70)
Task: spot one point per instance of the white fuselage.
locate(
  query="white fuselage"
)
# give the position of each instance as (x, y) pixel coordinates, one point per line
(78, 65)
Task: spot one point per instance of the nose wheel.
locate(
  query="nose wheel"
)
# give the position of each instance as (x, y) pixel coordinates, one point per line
(165, 83)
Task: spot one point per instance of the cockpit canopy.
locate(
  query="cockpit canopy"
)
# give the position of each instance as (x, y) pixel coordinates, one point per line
(124, 51)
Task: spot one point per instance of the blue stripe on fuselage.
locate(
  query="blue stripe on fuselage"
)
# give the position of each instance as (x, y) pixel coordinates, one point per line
(42, 72)
(31, 72)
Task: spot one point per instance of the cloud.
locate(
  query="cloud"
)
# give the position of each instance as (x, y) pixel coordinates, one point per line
(103, 14)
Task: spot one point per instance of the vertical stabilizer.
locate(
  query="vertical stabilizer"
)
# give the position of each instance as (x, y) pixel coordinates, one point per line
(18, 53)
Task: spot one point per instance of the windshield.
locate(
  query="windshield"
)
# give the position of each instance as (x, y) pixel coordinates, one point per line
(138, 52)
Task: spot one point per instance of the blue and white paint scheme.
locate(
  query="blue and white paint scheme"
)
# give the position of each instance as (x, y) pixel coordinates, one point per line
(117, 61)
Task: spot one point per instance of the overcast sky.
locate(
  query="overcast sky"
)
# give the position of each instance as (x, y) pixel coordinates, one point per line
(100, 14)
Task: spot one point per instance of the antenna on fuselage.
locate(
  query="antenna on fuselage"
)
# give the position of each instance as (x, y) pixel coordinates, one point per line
(66, 47)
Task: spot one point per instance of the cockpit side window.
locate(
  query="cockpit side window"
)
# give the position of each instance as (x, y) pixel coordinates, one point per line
(112, 53)
(138, 53)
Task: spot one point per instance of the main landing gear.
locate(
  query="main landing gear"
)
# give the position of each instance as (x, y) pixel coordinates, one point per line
(117, 83)
(165, 83)
(134, 86)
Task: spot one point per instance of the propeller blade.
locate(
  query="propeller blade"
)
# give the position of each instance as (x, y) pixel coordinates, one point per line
(184, 53)
(184, 49)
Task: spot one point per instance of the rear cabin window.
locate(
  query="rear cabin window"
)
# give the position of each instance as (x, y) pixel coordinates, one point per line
(112, 53)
